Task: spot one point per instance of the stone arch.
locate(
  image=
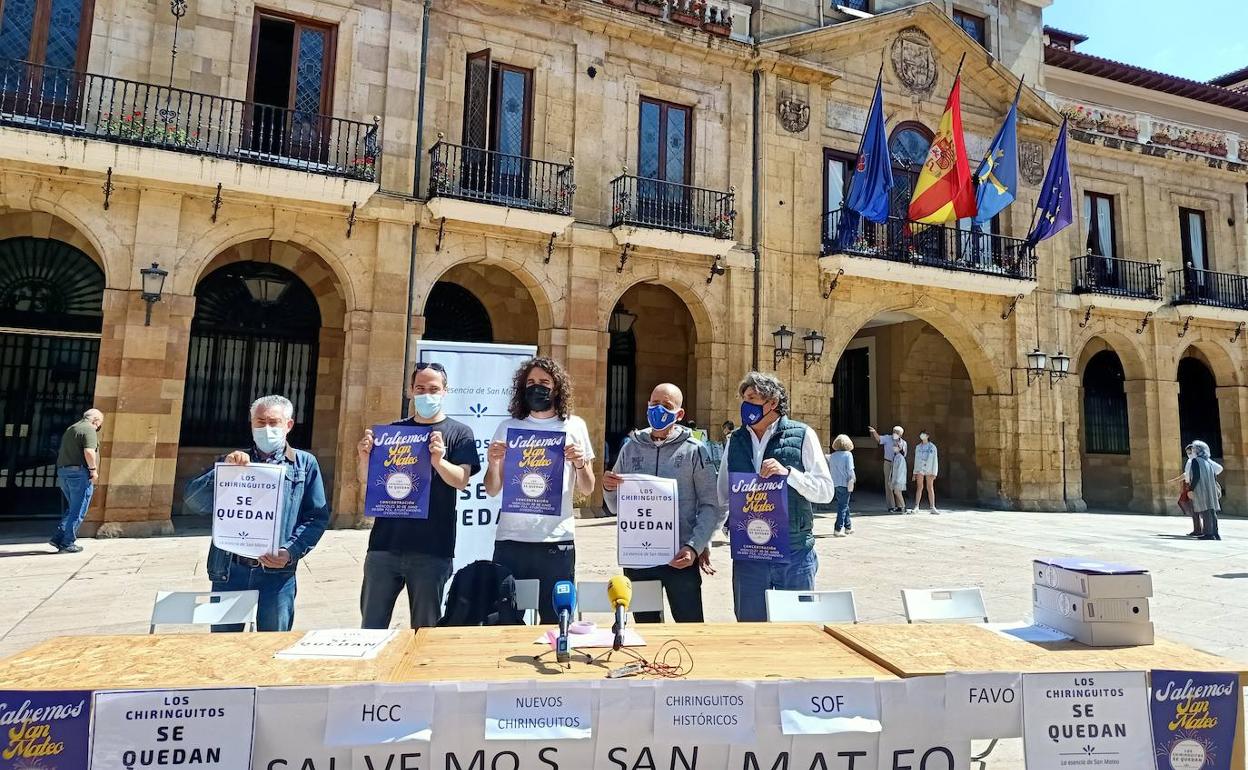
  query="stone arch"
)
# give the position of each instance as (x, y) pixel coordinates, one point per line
(1213, 353)
(704, 324)
(307, 265)
(509, 305)
(41, 218)
(1119, 466)
(1130, 350)
(537, 288)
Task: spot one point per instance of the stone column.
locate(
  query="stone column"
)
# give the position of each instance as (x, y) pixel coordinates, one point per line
(1233, 410)
(1151, 464)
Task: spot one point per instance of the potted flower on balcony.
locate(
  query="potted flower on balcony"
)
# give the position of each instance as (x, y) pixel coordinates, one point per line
(1160, 136)
(721, 224)
(1243, 150)
(625, 4)
(687, 12)
(1128, 131)
(718, 21)
(651, 7)
(1218, 147)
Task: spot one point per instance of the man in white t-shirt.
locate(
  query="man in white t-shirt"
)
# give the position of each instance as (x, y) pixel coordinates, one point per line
(538, 546)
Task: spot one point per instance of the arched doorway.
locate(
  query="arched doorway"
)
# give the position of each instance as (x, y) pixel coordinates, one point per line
(908, 146)
(1199, 418)
(454, 314)
(480, 303)
(51, 307)
(1106, 444)
(652, 340)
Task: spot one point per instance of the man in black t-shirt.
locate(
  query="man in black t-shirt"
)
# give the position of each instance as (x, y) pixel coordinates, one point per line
(417, 553)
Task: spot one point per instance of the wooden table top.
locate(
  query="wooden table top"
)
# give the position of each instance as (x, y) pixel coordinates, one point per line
(733, 651)
(185, 660)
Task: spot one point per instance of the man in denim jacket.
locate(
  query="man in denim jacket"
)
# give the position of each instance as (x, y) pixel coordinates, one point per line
(305, 514)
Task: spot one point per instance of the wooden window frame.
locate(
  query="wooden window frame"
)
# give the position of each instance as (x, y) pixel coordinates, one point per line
(959, 14)
(495, 105)
(40, 27)
(328, 64)
(1185, 238)
(1093, 196)
(663, 106)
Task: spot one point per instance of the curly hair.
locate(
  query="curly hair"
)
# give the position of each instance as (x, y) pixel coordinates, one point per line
(560, 395)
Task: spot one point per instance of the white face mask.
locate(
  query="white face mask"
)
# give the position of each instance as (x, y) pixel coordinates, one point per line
(922, 437)
(270, 439)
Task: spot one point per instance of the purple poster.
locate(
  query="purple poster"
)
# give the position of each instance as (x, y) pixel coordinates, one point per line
(399, 473)
(758, 517)
(44, 730)
(1194, 719)
(533, 472)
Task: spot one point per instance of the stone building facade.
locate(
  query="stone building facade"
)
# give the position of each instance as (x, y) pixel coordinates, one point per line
(644, 190)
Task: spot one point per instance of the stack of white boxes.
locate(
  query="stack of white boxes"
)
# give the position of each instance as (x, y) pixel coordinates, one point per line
(1100, 604)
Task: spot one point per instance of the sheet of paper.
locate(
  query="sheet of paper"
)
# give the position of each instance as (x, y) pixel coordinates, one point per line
(1028, 632)
(246, 508)
(599, 637)
(984, 705)
(374, 714)
(1094, 719)
(707, 712)
(208, 729)
(354, 643)
(829, 707)
(647, 521)
(536, 711)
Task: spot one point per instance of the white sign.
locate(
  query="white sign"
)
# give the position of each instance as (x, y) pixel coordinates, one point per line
(709, 712)
(647, 520)
(1095, 719)
(916, 734)
(247, 509)
(354, 643)
(625, 738)
(479, 377)
(828, 707)
(208, 729)
(371, 714)
(984, 705)
(290, 731)
(459, 741)
(533, 712)
(773, 749)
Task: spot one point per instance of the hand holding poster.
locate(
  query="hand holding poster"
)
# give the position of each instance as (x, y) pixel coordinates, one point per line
(399, 472)
(45, 729)
(533, 472)
(1194, 719)
(758, 517)
(246, 508)
(647, 520)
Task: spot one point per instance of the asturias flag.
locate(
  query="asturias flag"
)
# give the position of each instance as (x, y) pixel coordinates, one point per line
(1054, 210)
(873, 175)
(996, 178)
(944, 191)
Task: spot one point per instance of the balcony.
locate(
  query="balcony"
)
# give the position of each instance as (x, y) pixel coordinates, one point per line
(470, 184)
(1124, 284)
(907, 252)
(675, 217)
(1210, 294)
(56, 111)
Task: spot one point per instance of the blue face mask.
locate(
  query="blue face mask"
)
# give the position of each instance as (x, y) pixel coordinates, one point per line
(660, 417)
(751, 413)
(269, 440)
(427, 405)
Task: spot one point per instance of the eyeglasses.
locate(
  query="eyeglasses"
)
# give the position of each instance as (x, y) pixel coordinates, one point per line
(422, 365)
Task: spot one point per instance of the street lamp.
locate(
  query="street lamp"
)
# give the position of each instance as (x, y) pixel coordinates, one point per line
(621, 321)
(153, 283)
(1060, 364)
(783, 340)
(265, 289)
(1039, 363)
(813, 352)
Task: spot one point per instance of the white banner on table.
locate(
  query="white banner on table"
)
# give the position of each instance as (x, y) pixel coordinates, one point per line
(459, 741)
(706, 712)
(1095, 719)
(534, 711)
(372, 714)
(209, 729)
(246, 508)
(915, 733)
(829, 707)
(350, 643)
(625, 738)
(984, 705)
(647, 520)
(290, 731)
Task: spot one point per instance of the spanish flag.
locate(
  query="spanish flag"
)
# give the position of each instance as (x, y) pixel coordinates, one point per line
(945, 191)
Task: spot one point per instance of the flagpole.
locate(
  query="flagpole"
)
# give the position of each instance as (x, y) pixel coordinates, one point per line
(862, 141)
(959, 72)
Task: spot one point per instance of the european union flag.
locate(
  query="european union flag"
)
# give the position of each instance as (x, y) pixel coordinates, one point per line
(996, 179)
(1054, 210)
(873, 175)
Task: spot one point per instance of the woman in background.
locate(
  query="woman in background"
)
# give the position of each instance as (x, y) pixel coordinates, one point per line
(1201, 474)
(841, 465)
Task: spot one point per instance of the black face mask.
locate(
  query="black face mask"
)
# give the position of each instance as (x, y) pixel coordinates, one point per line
(537, 398)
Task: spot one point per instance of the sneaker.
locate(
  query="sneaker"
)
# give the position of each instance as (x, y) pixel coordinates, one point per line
(54, 544)
(849, 532)
(838, 533)
(934, 512)
(72, 548)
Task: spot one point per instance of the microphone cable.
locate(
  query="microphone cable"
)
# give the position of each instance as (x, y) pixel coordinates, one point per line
(672, 661)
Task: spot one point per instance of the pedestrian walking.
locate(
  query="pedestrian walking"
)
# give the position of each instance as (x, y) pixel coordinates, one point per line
(1201, 474)
(926, 467)
(894, 450)
(841, 466)
(77, 469)
(1185, 497)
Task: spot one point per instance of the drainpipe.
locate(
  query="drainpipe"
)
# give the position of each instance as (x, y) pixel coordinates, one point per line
(755, 206)
(416, 166)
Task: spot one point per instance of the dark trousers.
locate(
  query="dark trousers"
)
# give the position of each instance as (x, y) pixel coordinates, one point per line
(1210, 520)
(547, 562)
(682, 586)
(386, 574)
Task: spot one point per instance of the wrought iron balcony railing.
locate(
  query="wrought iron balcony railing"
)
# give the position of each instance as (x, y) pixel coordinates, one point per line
(487, 176)
(1193, 286)
(951, 248)
(79, 104)
(642, 202)
(1094, 274)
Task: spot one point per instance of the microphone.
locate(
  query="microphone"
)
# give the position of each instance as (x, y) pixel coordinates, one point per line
(620, 594)
(563, 597)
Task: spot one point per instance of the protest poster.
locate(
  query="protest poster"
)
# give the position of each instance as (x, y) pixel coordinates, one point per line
(328, 643)
(984, 705)
(916, 732)
(247, 508)
(807, 725)
(1097, 719)
(376, 714)
(208, 729)
(758, 517)
(625, 738)
(1195, 719)
(463, 739)
(829, 707)
(290, 730)
(399, 473)
(647, 520)
(528, 712)
(708, 712)
(44, 729)
(533, 472)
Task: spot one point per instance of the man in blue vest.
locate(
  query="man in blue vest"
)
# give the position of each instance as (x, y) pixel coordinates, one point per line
(771, 444)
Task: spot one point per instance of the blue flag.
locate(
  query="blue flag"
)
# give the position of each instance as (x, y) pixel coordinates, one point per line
(1054, 211)
(873, 176)
(996, 179)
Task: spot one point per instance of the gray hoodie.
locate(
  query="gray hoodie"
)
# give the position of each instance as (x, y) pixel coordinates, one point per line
(687, 460)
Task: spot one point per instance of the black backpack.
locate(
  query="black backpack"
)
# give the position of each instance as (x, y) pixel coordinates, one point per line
(482, 594)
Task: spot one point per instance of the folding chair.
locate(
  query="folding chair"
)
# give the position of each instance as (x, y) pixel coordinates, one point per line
(200, 608)
(527, 593)
(591, 596)
(811, 606)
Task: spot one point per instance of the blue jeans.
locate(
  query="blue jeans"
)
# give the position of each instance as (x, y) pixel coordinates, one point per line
(276, 609)
(75, 483)
(751, 579)
(841, 500)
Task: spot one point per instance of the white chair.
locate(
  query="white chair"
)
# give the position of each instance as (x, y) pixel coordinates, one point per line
(811, 606)
(929, 605)
(527, 599)
(591, 596)
(200, 608)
